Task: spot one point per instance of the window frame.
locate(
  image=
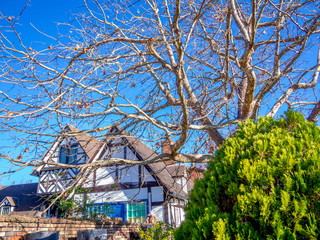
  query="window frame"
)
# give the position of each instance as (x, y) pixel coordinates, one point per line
(8, 208)
(177, 215)
(142, 217)
(70, 153)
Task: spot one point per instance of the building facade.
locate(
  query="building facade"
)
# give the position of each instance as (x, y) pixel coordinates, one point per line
(132, 192)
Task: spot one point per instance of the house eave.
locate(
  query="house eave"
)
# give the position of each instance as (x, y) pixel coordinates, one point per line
(176, 195)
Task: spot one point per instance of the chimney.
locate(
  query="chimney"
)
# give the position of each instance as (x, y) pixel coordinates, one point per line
(165, 148)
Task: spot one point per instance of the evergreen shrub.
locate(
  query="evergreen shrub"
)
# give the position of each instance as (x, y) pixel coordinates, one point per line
(263, 184)
(159, 231)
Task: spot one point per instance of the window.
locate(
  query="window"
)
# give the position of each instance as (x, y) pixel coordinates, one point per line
(68, 154)
(136, 212)
(5, 210)
(96, 209)
(105, 209)
(177, 215)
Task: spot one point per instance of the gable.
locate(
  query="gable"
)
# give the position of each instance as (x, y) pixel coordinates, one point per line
(118, 147)
(66, 151)
(122, 151)
(141, 152)
(86, 149)
(5, 202)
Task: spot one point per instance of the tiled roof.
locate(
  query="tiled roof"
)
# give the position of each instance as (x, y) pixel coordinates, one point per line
(177, 170)
(13, 201)
(26, 194)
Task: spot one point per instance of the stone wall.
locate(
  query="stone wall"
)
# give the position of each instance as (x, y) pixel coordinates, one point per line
(14, 227)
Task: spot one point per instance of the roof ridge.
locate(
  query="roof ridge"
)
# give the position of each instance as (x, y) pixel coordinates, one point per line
(19, 184)
(76, 130)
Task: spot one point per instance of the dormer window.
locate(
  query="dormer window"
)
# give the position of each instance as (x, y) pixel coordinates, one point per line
(5, 210)
(68, 154)
(8, 204)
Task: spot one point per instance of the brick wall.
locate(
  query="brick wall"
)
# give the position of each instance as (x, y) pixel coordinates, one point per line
(13, 227)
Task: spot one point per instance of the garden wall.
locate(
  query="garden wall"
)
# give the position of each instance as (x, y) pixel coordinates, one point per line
(13, 227)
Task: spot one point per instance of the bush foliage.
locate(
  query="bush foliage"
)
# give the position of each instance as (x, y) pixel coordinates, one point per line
(159, 231)
(263, 184)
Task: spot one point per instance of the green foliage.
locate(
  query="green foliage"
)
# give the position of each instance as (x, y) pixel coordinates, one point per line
(263, 184)
(69, 206)
(66, 206)
(79, 208)
(157, 232)
(101, 212)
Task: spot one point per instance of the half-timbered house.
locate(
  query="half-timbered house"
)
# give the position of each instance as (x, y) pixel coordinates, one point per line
(132, 191)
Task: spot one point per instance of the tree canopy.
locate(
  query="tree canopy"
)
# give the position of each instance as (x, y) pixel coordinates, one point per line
(184, 70)
(263, 184)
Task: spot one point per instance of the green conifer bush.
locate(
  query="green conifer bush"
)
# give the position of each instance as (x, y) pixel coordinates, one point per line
(263, 184)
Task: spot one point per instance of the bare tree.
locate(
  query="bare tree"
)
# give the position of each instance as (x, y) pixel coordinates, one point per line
(186, 71)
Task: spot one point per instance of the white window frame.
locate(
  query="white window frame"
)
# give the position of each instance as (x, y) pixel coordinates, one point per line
(3, 208)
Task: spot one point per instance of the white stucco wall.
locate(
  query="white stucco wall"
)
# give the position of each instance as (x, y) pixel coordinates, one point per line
(147, 176)
(158, 211)
(157, 194)
(131, 155)
(119, 195)
(128, 174)
(105, 176)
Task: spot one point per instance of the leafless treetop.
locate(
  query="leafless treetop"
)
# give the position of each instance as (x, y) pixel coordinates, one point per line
(186, 71)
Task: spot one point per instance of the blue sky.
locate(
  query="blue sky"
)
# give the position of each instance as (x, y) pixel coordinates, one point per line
(44, 15)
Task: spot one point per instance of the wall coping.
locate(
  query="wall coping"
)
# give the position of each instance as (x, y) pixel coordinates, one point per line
(14, 218)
